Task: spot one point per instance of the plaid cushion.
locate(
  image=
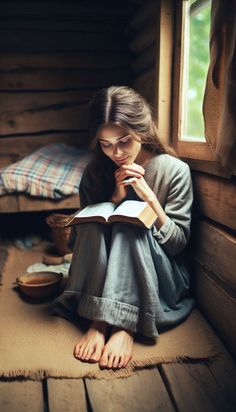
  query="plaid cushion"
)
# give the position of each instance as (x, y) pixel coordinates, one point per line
(53, 171)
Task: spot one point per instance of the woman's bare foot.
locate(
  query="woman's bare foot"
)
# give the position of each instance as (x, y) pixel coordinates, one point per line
(118, 350)
(90, 346)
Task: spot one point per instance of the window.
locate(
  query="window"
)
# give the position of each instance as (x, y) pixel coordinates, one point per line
(191, 61)
(196, 26)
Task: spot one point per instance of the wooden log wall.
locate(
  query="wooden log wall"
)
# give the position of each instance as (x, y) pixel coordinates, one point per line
(151, 29)
(214, 252)
(143, 42)
(53, 56)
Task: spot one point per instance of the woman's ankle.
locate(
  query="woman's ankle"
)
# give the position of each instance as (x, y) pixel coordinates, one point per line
(118, 328)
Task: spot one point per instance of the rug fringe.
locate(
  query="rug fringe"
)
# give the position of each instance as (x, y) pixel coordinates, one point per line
(132, 368)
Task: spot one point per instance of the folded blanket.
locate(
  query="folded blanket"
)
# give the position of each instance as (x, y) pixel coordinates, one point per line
(53, 171)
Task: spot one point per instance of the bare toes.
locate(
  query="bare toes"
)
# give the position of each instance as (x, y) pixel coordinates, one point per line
(96, 355)
(89, 348)
(77, 348)
(110, 362)
(104, 360)
(85, 356)
(89, 352)
(116, 361)
(77, 351)
(121, 363)
(83, 353)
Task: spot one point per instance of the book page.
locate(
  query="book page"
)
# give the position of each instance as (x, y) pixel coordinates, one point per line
(103, 209)
(130, 208)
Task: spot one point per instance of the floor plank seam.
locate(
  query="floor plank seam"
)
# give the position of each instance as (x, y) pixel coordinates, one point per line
(45, 395)
(168, 388)
(88, 402)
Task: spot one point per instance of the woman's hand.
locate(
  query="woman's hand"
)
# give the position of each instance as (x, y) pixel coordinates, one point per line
(141, 187)
(133, 175)
(124, 172)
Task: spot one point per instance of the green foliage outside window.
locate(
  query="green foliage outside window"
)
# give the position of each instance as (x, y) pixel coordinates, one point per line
(198, 62)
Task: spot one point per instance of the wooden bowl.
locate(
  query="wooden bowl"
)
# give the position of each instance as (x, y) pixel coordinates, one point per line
(52, 260)
(40, 285)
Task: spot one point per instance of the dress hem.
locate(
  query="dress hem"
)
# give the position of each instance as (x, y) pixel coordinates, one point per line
(113, 312)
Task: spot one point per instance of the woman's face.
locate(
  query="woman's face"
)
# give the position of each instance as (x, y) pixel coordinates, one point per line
(118, 145)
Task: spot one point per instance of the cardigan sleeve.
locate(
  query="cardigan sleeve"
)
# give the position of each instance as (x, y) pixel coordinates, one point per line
(175, 232)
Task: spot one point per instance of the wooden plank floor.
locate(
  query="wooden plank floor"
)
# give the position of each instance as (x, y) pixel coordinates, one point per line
(199, 386)
(183, 387)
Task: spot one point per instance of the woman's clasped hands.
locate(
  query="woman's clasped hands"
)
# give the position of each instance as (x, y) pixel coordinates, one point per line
(133, 175)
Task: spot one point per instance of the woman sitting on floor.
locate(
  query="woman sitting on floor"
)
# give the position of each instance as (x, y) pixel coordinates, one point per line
(132, 279)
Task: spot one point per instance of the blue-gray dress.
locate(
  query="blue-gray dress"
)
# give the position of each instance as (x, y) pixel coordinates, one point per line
(130, 276)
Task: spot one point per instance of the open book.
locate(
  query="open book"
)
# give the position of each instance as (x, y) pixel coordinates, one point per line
(130, 211)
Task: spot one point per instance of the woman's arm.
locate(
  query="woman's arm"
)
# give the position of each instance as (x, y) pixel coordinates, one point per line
(172, 228)
(156, 206)
(175, 232)
(137, 181)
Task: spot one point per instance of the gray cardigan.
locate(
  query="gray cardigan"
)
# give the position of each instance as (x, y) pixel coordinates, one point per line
(170, 180)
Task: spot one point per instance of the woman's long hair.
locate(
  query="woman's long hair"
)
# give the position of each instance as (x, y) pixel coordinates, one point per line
(121, 106)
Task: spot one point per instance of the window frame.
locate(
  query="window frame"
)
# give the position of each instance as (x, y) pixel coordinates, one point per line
(199, 155)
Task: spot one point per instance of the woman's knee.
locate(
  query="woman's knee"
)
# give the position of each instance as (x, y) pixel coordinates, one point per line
(125, 227)
(91, 233)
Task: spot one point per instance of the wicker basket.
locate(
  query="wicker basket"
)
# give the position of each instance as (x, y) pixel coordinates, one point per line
(60, 234)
